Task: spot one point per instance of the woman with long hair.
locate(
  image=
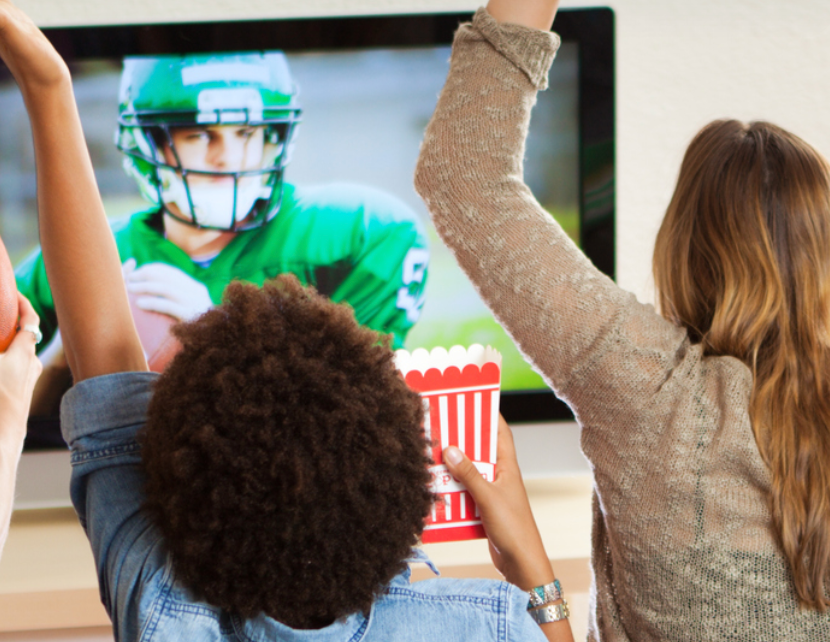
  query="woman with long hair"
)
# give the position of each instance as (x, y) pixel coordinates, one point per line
(707, 425)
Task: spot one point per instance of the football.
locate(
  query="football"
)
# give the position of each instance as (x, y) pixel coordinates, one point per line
(8, 300)
(160, 346)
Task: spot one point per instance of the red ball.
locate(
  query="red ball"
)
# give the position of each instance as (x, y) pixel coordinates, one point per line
(9, 311)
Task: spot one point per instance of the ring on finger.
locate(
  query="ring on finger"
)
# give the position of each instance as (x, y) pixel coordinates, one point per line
(35, 330)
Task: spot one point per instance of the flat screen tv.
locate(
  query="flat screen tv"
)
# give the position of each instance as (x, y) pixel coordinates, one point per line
(366, 87)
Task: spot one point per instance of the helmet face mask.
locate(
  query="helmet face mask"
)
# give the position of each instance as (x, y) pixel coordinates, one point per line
(161, 95)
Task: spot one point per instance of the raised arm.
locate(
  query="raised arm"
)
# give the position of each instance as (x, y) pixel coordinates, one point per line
(79, 251)
(594, 343)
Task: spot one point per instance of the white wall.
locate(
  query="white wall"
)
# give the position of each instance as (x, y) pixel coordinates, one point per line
(679, 65)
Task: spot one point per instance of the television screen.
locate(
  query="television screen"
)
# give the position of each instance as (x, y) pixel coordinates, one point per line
(344, 141)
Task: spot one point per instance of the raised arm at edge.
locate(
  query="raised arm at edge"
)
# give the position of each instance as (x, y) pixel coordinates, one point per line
(79, 250)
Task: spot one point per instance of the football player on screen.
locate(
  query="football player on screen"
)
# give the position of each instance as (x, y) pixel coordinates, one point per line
(207, 138)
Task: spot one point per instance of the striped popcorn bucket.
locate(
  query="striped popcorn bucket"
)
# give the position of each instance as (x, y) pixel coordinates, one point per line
(460, 388)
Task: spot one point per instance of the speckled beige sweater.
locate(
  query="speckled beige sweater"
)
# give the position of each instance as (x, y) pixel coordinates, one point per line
(682, 541)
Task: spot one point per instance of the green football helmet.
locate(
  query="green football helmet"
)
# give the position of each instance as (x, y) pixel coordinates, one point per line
(161, 93)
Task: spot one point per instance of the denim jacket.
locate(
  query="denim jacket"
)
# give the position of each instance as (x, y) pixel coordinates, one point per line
(100, 418)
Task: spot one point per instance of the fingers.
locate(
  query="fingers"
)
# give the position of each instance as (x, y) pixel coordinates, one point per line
(154, 288)
(159, 280)
(507, 466)
(161, 287)
(464, 471)
(506, 461)
(25, 339)
(128, 267)
(158, 272)
(167, 290)
(162, 306)
(27, 313)
(22, 348)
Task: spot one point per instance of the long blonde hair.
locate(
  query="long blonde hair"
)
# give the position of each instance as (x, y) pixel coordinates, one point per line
(742, 261)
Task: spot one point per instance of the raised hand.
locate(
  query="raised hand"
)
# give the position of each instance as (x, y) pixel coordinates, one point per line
(537, 14)
(79, 251)
(27, 52)
(166, 289)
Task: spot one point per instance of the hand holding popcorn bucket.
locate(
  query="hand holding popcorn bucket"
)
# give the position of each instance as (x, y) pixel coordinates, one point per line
(460, 388)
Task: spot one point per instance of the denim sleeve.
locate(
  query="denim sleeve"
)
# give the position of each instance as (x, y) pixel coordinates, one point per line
(100, 418)
(520, 626)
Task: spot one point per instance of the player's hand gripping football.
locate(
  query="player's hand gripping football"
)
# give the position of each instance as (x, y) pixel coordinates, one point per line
(166, 289)
(27, 52)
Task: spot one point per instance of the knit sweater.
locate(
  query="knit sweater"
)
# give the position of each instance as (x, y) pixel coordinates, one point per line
(683, 545)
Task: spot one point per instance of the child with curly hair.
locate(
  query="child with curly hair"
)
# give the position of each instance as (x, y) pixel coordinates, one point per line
(272, 482)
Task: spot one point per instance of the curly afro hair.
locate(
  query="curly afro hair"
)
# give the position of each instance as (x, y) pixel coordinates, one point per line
(285, 457)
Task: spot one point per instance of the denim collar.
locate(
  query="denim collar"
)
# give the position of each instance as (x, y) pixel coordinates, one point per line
(417, 556)
(265, 629)
(352, 628)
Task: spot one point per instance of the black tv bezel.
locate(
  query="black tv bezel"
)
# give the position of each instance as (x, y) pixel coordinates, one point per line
(592, 29)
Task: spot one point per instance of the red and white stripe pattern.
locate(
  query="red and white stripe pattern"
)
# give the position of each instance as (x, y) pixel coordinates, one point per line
(467, 418)
(462, 410)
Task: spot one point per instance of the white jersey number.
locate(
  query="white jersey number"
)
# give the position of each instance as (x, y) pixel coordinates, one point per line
(414, 270)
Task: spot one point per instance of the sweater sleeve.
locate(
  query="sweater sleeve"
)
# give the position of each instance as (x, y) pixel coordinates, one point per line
(598, 348)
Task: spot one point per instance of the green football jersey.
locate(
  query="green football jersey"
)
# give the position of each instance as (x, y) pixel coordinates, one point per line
(353, 243)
